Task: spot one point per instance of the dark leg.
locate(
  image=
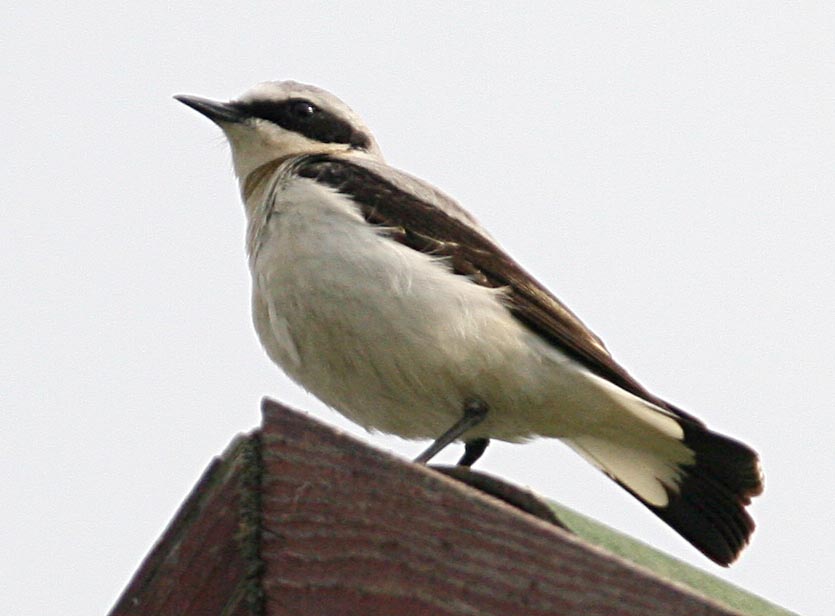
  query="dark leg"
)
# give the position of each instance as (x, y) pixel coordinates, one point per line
(474, 413)
(473, 450)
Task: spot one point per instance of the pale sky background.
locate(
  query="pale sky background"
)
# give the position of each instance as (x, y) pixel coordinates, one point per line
(667, 169)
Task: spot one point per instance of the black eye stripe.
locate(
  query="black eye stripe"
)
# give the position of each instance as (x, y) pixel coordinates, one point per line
(306, 118)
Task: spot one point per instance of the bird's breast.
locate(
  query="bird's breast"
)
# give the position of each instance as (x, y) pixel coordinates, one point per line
(387, 335)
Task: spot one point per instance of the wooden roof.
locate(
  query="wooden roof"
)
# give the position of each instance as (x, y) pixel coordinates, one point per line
(300, 519)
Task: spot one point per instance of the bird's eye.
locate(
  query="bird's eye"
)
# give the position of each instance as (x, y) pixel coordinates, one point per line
(304, 109)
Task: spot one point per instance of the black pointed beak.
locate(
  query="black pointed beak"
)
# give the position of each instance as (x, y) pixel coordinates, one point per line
(217, 112)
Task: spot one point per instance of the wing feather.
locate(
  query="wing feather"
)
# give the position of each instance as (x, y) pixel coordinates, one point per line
(424, 219)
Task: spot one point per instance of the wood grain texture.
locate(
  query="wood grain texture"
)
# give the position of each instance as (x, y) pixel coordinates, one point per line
(206, 562)
(348, 530)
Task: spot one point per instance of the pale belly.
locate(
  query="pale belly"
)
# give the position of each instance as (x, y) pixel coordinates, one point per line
(398, 343)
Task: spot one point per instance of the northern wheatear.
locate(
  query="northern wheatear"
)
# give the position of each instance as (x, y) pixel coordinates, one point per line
(388, 301)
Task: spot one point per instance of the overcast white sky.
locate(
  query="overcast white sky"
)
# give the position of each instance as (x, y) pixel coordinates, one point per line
(668, 171)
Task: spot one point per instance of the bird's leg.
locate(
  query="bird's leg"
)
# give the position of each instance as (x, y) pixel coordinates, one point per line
(473, 450)
(474, 413)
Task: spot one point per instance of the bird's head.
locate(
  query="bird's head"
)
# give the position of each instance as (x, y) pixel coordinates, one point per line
(276, 119)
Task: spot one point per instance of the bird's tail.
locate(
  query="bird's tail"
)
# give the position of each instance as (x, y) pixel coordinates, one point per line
(700, 490)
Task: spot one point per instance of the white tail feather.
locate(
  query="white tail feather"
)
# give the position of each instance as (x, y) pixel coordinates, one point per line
(644, 472)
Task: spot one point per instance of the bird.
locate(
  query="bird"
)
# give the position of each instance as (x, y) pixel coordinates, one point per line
(388, 301)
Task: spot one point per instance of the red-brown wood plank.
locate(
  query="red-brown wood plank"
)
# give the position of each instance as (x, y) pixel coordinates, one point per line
(351, 530)
(199, 566)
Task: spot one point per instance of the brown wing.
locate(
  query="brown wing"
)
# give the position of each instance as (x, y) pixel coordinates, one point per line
(429, 228)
